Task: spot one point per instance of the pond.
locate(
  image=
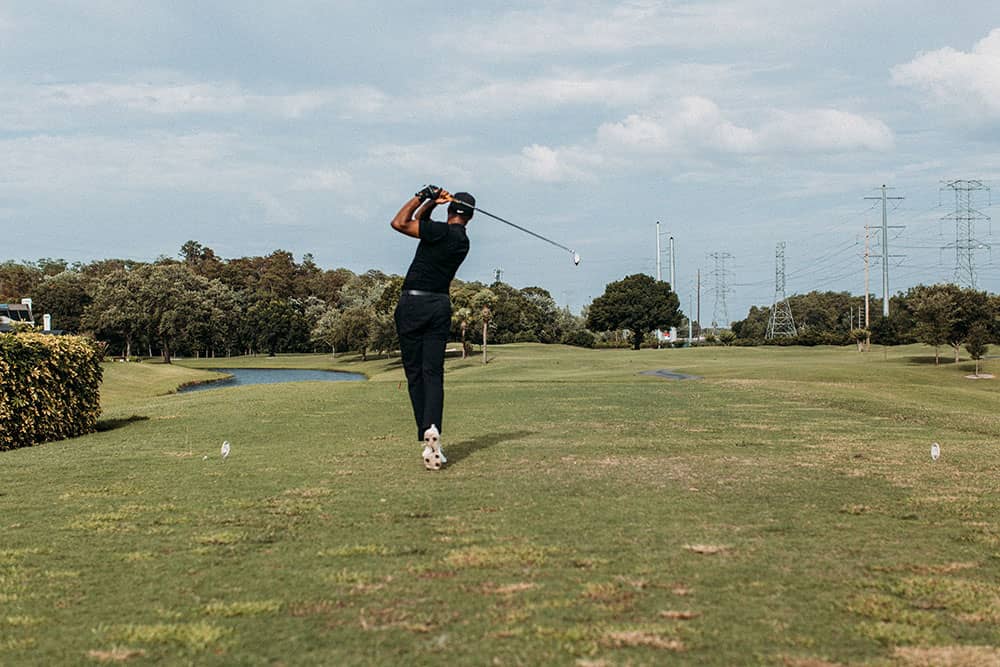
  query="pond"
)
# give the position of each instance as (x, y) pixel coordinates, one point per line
(242, 376)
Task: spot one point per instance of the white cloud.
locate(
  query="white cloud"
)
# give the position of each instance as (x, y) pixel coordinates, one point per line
(554, 165)
(967, 81)
(824, 131)
(697, 124)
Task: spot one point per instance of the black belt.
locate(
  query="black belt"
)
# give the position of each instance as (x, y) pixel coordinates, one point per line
(420, 292)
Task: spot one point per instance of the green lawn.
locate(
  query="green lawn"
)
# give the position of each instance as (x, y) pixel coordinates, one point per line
(783, 510)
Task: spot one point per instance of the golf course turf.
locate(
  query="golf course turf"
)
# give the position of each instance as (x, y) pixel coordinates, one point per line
(783, 509)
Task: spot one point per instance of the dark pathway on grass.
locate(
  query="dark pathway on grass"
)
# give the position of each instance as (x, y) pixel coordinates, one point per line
(668, 374)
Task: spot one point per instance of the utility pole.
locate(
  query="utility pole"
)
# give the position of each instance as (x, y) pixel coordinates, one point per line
(698, 311)
(867, 272)
(659, 275)
(673, 284)
(885, 249)
(966, 216)
(690, 323)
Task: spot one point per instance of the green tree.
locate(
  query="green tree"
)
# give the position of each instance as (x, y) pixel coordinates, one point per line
(64, 296)
(971, 308)
(172, 297)
(637, 303)
(355, 327)
(977, 343)
(933, 309)
(860, 338)
(382, 335)
(462, 318)
(18, 280)
(274, 320)
(482, 307)
(326, 331)
(114, 310)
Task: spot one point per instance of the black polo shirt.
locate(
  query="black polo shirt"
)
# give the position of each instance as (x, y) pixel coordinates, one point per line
(441, 251)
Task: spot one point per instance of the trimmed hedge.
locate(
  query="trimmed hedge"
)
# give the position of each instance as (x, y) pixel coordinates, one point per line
(49, 388)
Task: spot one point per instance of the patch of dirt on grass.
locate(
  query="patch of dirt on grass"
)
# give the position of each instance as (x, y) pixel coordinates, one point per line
(707, 549)
(944, 568)
(680, 615)
(497, 556)
(633, 638)
(312, 492)
(317, 608)
(248, 608)
(492, 589)
(395, 617)
(116, 654)
(609, 595)
(948, 656)
(808, 662)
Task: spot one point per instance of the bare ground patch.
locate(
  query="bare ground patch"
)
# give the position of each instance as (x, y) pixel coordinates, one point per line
(116, 654)
(948, 656)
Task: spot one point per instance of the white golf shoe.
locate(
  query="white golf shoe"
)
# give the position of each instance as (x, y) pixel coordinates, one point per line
(433, 456)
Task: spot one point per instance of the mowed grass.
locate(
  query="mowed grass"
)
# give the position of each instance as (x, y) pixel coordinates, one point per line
(783, 510)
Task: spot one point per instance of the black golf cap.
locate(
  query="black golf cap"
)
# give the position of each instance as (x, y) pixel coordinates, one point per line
(462, 204)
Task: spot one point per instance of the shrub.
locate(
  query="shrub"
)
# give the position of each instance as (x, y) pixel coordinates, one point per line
(50, 388)
(580, 338)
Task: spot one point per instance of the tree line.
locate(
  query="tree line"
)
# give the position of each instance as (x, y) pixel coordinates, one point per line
(199, 304)
(937, 315)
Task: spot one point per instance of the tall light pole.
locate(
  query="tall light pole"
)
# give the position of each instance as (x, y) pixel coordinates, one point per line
(659, 275)
(673, 284)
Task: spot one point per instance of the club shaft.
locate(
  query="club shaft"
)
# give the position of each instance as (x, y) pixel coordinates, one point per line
(526, 231)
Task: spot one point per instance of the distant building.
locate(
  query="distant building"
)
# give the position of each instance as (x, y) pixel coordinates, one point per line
(14, 312)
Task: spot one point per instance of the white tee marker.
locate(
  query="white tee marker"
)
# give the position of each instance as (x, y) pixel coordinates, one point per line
(225, 449)
(935, 451)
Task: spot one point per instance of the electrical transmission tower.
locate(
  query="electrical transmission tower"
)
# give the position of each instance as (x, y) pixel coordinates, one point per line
(966, 216)
(781, 324)
(721, 289)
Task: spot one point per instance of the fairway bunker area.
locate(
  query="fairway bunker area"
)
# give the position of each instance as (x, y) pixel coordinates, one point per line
(668, 374)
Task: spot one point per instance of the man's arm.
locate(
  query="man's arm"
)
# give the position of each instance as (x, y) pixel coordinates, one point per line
(407, 221)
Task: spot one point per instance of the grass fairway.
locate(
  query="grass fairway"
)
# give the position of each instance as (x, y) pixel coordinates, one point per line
(783, 510)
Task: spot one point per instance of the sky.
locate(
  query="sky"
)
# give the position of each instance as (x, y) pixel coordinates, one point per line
(128, 128)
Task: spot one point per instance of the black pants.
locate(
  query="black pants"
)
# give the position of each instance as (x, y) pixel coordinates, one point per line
(423, 323)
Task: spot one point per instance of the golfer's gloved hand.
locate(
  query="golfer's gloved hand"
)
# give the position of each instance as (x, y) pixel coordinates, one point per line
(428, 192)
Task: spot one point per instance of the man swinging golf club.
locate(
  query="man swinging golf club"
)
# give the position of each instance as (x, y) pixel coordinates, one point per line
(423, 316)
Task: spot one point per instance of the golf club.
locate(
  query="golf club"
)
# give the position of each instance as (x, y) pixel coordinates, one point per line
(576, 255)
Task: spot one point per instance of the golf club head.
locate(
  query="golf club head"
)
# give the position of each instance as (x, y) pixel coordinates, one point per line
(576, 258)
